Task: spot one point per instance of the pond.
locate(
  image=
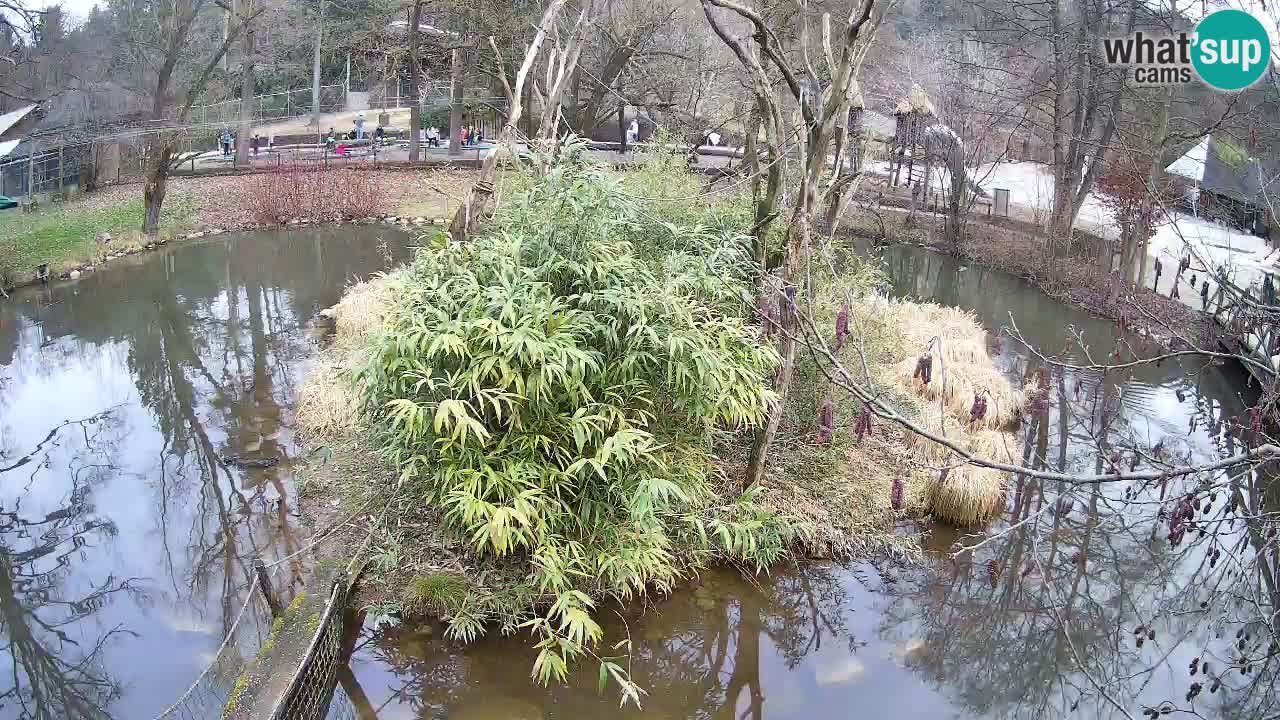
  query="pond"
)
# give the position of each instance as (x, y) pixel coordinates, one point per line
(1000, 632)
(126, 537)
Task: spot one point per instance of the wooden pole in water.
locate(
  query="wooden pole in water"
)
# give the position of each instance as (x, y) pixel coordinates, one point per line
(264, 584)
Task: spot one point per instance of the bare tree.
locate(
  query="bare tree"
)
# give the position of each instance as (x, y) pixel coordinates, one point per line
(415, 79)
(163, 42)
(248, 84)
(477, 205)
(821, 99)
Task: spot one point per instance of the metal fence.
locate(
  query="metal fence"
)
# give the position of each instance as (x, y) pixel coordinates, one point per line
(208, 696)
(311, 689)
(45, 172)
(273, 106)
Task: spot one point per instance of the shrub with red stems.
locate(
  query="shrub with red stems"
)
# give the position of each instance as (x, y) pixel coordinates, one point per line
(299, 191)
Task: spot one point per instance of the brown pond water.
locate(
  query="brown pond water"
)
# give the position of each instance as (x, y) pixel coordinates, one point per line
(125, 541)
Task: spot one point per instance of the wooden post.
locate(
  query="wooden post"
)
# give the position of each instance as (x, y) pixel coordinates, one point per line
(622, 127)
(60, 170)
(455, 101)
(264, 584)
(31, 174)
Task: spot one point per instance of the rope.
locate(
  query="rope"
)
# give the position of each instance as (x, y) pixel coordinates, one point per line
(320, 537)
(225, 641)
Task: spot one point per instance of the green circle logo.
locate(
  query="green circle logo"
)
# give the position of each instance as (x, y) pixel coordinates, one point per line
(1231, 51)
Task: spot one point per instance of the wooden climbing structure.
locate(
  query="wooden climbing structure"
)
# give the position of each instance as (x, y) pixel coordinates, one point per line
(913, 115)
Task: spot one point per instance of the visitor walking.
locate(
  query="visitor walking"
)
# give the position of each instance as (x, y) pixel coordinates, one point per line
(226, 142)
(360, 126)
(256, 142)
(462, 135)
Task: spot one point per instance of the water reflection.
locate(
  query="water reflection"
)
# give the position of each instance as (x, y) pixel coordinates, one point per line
(1078, 599)
(125, 536)
(1040, 620)
(730, 647)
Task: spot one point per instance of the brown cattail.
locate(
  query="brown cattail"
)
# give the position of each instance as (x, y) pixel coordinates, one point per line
(863, 424)
(826, 421)
(842, 326)
(924, 369)
(979, 409)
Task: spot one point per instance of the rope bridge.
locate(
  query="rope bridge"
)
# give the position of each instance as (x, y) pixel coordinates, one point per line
(311, 689)
(289, 672)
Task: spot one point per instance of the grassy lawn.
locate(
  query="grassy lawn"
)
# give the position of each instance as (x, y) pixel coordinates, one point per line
(65, 235)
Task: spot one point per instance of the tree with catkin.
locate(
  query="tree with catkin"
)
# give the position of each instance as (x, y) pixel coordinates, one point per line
(823, 97)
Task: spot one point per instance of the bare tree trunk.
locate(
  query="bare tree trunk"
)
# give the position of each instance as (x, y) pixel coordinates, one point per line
(1154, 172)
(248, 87)
(561, 66)
(751, 160)
(955, 204)
(415, 81)
(157, 180)
(792, 266)
(455, 102)
(315, 72)
(476, 207)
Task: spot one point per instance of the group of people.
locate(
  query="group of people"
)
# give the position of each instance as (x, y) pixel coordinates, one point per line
(227, 142)
(470, 135)
(340, 143)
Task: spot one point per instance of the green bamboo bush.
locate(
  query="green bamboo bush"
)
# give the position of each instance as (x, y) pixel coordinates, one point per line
(557, 396)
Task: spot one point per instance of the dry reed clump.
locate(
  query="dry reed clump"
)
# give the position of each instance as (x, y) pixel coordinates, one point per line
(328, 406)
(963, 495)
(362, 309)
(962, 368)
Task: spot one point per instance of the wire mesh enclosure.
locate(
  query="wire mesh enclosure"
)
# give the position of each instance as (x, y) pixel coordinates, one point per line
(311, 689)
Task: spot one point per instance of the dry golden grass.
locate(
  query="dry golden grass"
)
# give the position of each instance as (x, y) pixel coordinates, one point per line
(967, 496)
(962, 367)
(362, 309)
(961, 494)
(328, 406)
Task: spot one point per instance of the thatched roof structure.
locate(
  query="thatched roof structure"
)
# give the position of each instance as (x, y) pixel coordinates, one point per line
(917, 101)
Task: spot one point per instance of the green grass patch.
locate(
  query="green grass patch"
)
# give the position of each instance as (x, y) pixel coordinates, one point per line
(438, 594)
(65, 235)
